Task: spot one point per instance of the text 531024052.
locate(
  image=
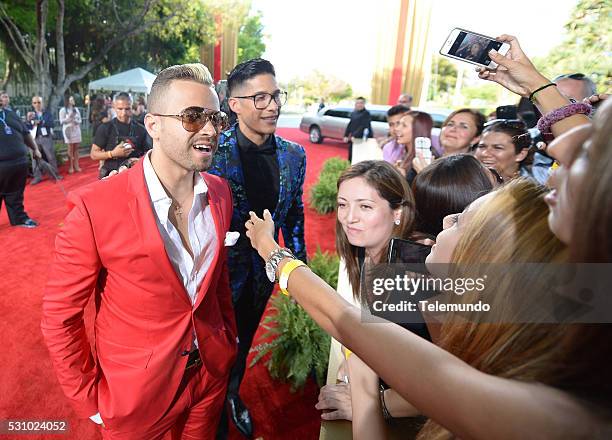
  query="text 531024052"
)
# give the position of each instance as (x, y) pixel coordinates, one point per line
(33, 426)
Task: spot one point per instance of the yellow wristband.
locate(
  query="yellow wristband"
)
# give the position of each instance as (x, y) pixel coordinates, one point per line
(109, 154)
(283, 280)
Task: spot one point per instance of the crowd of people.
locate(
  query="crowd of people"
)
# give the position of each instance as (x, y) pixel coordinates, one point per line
(121, 140)
(474, 378)
(182, 275)
(507, 146)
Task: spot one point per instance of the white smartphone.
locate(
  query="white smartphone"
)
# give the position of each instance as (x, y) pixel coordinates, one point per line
(422, 148)
(472, 48)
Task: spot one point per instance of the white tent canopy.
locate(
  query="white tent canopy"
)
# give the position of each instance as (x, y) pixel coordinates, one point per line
(133, 80)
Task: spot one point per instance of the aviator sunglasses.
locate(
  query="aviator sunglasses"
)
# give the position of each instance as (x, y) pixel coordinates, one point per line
(194, 118)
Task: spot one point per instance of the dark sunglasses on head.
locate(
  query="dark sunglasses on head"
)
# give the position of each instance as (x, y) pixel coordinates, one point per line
(513, 123)
(578, 76)
(195, 118)
(510, 123)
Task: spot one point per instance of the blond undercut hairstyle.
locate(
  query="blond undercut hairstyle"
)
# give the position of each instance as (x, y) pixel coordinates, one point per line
(195, 72)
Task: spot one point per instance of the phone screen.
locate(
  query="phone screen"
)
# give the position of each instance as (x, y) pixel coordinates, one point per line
(473, 47)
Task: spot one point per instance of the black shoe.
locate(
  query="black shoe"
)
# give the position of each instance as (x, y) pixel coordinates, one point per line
(239, 414)
(29, 223)
(35, 181)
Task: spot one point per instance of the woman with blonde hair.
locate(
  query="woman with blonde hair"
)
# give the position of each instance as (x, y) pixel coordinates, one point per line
(499, 236)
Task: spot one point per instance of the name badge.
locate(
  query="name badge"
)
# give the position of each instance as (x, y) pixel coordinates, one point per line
(8, 130)
(43, 131)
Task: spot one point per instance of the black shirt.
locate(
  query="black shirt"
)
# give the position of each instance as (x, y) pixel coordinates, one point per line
(13, 150)
(360, 120)
(260, 171)
(110, 133)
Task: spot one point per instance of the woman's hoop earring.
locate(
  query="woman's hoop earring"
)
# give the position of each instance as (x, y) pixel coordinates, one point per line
(397, 221)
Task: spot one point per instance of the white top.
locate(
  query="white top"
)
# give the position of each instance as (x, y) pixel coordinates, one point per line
(201, 231)
(69, 116)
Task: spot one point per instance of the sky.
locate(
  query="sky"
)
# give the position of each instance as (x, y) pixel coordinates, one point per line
(336, 36)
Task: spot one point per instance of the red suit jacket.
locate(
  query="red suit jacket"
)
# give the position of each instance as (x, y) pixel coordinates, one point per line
(110, 246)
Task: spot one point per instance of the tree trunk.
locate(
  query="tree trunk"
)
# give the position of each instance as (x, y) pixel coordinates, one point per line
(8, 71)
(35, 53)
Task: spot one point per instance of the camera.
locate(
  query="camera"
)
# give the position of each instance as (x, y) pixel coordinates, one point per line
(127, 141)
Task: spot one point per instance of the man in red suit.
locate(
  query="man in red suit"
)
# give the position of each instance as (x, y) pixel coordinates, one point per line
(149, 246)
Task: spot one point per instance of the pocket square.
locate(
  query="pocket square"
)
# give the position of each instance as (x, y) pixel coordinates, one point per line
(231, 238)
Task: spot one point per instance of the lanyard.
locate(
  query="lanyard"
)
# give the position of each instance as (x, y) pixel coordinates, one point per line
(7, 130)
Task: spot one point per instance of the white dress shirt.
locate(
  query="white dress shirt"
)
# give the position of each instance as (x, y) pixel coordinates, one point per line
(200, 226)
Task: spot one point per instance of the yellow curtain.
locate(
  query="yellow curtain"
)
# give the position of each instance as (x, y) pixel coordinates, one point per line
(401, 50)
(227, 35)
(229, 48)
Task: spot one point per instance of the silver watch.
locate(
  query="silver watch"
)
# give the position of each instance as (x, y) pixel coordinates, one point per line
(272, 264)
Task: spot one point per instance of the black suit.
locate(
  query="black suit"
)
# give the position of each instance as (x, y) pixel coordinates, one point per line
(360, 120)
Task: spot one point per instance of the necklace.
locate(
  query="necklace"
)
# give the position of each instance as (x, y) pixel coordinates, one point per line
(178, 207)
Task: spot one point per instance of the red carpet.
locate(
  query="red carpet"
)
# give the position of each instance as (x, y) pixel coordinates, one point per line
(28, 387)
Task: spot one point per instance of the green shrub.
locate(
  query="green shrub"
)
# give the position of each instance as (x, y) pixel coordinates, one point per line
(335, 166)
(299, 347)
(324, 193)
(326, 266)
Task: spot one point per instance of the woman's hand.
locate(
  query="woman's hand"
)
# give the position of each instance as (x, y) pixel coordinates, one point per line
(261, 233)
(336, 400)
(595, 100)
(515, 71)
(419, 163)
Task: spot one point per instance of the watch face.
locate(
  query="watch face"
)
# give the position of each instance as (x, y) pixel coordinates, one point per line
(270, 272)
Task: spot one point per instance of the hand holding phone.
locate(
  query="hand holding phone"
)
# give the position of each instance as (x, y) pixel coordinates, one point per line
(472, 48)
(422, 148)
(516, 72)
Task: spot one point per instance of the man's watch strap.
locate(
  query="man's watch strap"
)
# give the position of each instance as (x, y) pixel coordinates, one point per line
(275, 258)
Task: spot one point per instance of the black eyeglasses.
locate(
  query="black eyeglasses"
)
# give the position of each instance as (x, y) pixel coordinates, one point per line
(262, 100)
(194, 118)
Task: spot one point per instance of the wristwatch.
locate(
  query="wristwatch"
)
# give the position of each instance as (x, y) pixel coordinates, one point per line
(272, 264)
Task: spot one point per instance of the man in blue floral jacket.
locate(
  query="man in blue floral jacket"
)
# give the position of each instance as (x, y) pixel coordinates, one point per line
(264, 172)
